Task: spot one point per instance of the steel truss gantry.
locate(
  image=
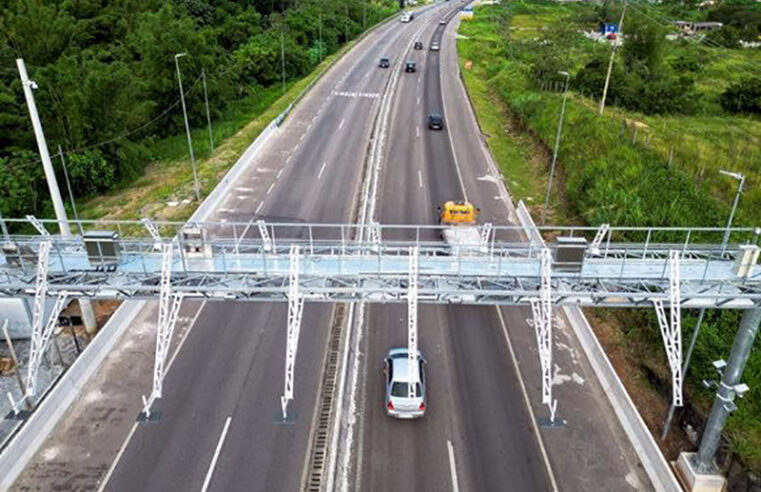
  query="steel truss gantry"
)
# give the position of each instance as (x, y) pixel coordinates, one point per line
(310, 262)
(412, 333)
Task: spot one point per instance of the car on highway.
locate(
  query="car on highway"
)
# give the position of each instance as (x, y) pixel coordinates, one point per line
(435, 121)
(435, 46)
(399, 403)
(418, 45)
(384, 63)
(442, 22)
(409, 66)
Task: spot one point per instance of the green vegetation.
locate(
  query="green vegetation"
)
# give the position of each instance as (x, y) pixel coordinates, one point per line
(108, 91)
(615, 169)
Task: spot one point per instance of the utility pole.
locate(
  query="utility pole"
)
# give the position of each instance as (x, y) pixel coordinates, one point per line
(187, 126)
(612, 56)
(68, 186)
(557, 145)
(85, 306)
(282, 54)
(741, 178)
(728, 388)
(208, 114)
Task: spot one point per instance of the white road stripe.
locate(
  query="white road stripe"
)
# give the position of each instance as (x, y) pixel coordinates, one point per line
(216, 455)
(418, 100)
(259, 207)
(322, 169)
(417, 130)
(269, 190)
(420, 178)
(277, 176)
(341, 125)
(243, 189)
(289, 159)
(453, 467)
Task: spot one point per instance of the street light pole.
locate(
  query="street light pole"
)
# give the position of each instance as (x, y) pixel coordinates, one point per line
(208, 114)
(741, 178)
(557, 145)
(187, 125)
(88, 315)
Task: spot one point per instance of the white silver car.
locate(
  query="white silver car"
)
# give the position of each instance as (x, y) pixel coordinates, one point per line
(399, 404)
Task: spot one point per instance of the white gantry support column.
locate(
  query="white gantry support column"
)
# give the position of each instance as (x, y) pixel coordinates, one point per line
(412, 334)
(671, 327)
(603, 231)
(153, 231)
(373, 235)
(542, 311)
(485, 233)
(41, 331)
(266, 240)
(169, 309)
(37, 225)
(295, 310)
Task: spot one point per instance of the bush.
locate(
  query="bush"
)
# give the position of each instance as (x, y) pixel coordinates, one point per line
(90, 173)
(743, 96)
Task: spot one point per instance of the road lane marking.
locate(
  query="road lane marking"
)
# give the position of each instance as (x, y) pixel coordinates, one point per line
(243, 189)
(259, 207)
(420, 178)
(342, 123)
(277, 176)
(302, 136)
(269, 190)
(417, 130)
(322, 169)
(216, 456)
(527, 401)
(453, 467)
(418, 100)
(289, 159)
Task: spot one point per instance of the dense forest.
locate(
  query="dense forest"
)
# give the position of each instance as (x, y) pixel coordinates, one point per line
(107, 81)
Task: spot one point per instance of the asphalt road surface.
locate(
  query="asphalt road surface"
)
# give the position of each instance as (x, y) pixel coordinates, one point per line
(231, 364)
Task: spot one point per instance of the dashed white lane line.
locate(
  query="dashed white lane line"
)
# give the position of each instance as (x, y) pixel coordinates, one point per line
(418, 100)
(216, 455)
(259, 207)
(302, 136)
(341, 125)
(453, 467)
(277, 176)
(417, 131)
(420, 178)
(322, 169)
(269, 190)
(243, 189)
(289, 159)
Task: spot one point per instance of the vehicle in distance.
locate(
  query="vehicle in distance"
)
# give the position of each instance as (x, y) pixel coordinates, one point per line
(435, 121)
(383, 63)
(435, 46)
(399, 403)
(407, 17)
(418, 45)
(442, 22)
(409, 66)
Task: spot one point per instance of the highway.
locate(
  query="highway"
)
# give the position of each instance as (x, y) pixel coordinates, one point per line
(231, 364)
(474, 402)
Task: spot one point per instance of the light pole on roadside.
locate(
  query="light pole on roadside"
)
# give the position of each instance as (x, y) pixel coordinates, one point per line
(208, 113)
(85, 306)
(610, 63)
(557, 145)
(187, 126)
(741, 178)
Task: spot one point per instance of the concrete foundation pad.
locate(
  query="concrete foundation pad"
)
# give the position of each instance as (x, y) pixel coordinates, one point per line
(694, 481)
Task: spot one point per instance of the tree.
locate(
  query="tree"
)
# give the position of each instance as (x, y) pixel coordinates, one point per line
(743, 96)
(643, 47)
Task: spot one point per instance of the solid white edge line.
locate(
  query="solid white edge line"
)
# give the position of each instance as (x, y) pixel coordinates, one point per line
(322, 169)
(118, 457)
(216, 455)
(453, 467)
(526, 399)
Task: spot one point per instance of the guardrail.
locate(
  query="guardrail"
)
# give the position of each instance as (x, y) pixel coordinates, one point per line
(656, 466)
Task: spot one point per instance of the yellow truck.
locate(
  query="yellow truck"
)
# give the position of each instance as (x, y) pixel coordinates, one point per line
(461, 230)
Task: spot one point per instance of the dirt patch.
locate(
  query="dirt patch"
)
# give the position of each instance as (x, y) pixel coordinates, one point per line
(643, 377)
(103, 311)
